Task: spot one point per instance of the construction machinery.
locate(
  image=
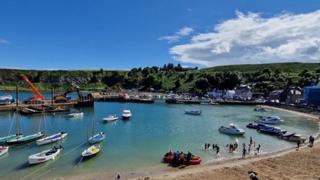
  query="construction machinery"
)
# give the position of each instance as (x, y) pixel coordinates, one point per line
(82, 100)
(37, 96)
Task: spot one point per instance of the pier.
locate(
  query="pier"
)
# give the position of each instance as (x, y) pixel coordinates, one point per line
(122, 97)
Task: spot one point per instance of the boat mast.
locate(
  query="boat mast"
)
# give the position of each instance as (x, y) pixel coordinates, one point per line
(93, 123)
(17, 109)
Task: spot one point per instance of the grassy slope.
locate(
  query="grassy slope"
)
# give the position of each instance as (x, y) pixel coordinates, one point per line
(168, 78)
(285, 67)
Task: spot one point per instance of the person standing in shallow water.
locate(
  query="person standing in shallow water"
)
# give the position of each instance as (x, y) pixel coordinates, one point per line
(217, 149)
(258, 149)
(244, 151)
(298, 145)
(311, 141)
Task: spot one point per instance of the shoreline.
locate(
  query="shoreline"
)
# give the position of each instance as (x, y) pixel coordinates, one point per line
(201, 171)
(308, 115)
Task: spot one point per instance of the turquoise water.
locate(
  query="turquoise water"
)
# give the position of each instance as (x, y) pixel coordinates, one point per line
(140, 142)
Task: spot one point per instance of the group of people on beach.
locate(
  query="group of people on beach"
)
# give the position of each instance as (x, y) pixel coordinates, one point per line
(252, 144)
(180, 157)
(233, 146)
(214, 147)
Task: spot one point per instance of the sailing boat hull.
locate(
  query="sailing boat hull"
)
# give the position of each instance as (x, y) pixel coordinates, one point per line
(25, 139)
(8, 138)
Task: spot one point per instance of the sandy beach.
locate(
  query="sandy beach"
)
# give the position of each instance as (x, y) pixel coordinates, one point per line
(312, 116)
(292, 164)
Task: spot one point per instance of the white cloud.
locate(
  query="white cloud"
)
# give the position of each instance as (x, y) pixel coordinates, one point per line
(3, 41)
(250, 38)
(183, 32)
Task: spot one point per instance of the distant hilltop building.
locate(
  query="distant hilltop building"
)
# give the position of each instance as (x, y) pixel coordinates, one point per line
(312, 95)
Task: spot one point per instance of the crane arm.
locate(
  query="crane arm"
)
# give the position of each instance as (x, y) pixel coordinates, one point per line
(33, 88)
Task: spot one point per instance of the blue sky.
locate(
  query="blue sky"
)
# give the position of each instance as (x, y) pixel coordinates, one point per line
(118, 34)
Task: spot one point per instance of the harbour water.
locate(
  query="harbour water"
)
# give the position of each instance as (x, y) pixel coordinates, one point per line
(141, 141)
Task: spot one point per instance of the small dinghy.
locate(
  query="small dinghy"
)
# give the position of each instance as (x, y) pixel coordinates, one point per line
(51, 139)
(188, 159)
(231, 130)
(193, 112)
(44, 156)
(126, 114)
(97, 138)
(75, 114)
(3, 150)
(260, 109)
(110, 118)
(270, 120)
(91, 151)
(25, 139)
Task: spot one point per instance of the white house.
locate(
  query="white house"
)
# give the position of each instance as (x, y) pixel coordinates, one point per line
(216, 94)
(229, 94)
(243, 92)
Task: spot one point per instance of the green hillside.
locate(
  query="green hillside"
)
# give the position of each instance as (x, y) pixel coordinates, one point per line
(262, 77)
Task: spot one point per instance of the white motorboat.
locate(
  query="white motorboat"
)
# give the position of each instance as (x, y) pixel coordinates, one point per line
(51, 139)
(270, 120)
(45, 156)
(293, 137)
(3, 150)
(231, 130)
(76, 114)
(91, 151)
(110, 118)
(126, 114)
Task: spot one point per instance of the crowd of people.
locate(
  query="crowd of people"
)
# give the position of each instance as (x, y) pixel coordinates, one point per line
(214, 147)
(180, 157)
(246, 149)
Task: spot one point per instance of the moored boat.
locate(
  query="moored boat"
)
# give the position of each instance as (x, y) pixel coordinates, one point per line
(9, 137)
(260, 109)
(75, 114)
(270, 120)
(271, 130)
(44, 156)
(97, 138)
(293, 137)
(91, 151)
(110, 118)
(255, 125)
(188, 159)
(193, 112)
(24, 139)
(4, 150)
(51, 139)
(126, 114)
(6, 99)
(231, 130)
